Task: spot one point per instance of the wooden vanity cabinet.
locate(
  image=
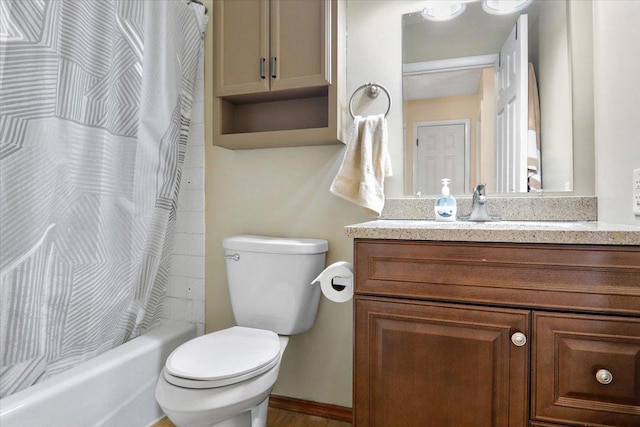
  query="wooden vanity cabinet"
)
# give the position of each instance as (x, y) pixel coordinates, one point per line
(592, 363)
(277, 72)
(439, 330)
(427, 364)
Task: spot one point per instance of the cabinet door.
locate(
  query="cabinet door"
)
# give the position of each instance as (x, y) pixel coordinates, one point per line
(241, 46)
(586, 369)
(426, 364)
(300, 43)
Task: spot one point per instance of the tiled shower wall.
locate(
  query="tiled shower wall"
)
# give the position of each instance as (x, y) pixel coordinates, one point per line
(185, 292)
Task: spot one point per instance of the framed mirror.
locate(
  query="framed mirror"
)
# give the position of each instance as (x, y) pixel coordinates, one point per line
(454, 124)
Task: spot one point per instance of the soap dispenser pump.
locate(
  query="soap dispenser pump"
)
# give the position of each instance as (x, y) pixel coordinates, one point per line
(445, 208)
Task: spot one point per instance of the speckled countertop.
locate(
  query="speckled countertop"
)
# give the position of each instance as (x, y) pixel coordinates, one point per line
(537, 208)
(562, 232)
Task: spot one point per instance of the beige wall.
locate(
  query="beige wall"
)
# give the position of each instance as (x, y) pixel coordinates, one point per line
(553, 73)
(285, 191)
(282, 192)
(617, 107)
(441, 109)
(581, 46)
(487, 130)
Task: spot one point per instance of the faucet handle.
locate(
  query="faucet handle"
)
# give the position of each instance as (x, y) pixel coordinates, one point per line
(480, 189)
(479, 206)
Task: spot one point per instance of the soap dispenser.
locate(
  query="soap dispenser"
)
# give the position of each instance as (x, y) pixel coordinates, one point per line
(445, 207)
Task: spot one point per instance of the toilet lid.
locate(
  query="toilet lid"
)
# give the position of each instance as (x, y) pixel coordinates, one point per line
(223, 357)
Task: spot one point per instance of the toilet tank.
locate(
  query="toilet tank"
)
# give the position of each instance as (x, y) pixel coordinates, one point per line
(269, 281)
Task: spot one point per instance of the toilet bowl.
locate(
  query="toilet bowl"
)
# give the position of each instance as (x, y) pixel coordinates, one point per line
(224, 378)
(230, 400)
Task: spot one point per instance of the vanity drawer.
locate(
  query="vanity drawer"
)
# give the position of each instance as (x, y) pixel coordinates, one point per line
(589, 278)
(574, 357)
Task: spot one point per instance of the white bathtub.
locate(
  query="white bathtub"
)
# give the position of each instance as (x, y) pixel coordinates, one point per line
(113, 389)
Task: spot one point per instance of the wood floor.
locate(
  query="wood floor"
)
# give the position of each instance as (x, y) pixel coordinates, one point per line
(281, 418)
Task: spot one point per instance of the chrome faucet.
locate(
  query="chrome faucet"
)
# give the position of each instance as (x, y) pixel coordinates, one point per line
(479, 207)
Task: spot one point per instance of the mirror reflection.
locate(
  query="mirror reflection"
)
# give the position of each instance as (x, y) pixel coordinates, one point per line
(487, 99)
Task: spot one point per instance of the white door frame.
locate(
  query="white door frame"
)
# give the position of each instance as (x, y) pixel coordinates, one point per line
(467, 146)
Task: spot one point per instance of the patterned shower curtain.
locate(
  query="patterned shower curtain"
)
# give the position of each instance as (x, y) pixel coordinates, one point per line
(95, 106)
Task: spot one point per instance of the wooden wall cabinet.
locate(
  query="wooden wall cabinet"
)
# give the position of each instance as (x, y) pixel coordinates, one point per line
(483, 334)
(278, 72)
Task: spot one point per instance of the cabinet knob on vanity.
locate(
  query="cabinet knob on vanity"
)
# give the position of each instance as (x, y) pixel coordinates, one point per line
(519, 339)
(604, 377)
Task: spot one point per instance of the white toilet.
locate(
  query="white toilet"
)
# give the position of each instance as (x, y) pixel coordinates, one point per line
(224, 378)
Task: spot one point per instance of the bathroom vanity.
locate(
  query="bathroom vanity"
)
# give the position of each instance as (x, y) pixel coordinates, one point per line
(483, 325)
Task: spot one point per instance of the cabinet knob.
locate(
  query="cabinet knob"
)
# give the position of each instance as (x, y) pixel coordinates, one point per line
(519, 339)
(604, 377)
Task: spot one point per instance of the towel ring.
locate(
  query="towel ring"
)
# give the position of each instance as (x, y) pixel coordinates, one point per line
(372, 90)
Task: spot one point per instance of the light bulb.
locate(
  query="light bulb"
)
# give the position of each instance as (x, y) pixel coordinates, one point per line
(504, 7)
(442, 10)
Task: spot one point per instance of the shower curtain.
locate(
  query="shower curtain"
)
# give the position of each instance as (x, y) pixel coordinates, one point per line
(95, 106)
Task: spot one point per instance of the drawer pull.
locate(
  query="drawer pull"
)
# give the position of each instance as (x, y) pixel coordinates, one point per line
(262, 68)
(519, 339)
(272, 67)
(604, 377)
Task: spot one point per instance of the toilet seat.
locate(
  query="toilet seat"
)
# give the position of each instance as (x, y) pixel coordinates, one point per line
(222, 358)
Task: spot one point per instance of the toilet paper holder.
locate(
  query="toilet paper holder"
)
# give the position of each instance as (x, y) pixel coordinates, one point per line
(339, 283)
(336, 281)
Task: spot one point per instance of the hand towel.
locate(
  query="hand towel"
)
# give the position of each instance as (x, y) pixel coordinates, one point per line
(534, 171)
(365, 165)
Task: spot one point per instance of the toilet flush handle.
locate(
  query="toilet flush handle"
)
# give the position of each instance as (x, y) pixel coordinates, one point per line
(235, 257)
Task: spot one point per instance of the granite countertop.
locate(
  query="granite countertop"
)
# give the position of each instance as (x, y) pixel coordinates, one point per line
(561, 232)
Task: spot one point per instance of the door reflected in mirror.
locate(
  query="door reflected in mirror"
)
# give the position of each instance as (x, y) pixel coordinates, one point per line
(487, 99)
